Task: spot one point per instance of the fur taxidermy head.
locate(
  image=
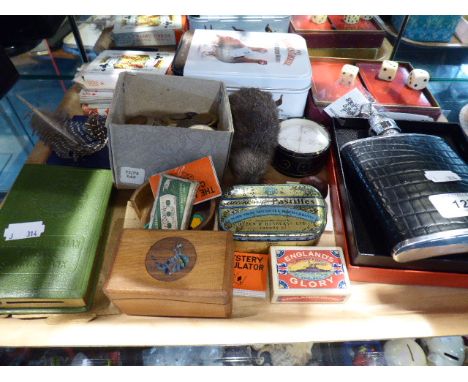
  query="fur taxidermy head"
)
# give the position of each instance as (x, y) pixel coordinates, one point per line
(256, 128)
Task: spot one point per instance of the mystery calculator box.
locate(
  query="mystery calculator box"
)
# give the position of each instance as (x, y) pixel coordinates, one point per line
(138, 150)
(365, 242)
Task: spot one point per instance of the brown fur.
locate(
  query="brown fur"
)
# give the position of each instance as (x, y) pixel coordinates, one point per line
(256, 128)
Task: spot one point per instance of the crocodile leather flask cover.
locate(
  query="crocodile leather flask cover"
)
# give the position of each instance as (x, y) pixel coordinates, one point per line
(414, 187)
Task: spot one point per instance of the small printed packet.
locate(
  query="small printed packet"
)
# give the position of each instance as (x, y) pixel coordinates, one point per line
(308, 274)
(201, 170)
(173, 202)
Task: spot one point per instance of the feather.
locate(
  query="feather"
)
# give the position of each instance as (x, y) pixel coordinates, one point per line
(67, 138)
(45, 122)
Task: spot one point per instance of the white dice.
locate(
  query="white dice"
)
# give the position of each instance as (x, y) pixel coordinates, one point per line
(367, 17)
(418, 79)
(318, 19)
(388, 70)
(350, 19)
(348, 75)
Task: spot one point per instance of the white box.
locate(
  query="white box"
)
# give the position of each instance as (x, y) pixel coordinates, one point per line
(254, 23)
(274, 62)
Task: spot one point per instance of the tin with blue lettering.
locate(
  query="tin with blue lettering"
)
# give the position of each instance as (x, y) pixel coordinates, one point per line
(259, 215)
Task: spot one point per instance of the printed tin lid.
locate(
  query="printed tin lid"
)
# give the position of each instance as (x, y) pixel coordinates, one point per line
(274, 212)
(268, 61)
(309, 271)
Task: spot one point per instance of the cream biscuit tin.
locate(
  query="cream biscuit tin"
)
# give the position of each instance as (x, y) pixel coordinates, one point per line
(308, 275)
(278, 213)
(253, 23)
(274, 62)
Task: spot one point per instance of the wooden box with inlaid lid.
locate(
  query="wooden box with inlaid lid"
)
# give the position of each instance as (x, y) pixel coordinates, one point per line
(172, 273)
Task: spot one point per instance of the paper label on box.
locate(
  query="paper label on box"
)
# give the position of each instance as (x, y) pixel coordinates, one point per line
(19, 231)
(441, 176)
(451, 205)
(132, 175)
(310, 268)
(348, 105)
(250, 274)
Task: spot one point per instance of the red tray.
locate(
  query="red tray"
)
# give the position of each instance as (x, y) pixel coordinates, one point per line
(363, 25)
(325, 85)
(391, 92)
(365, 34)
(325, 88)
(381, 275)
(304, 23)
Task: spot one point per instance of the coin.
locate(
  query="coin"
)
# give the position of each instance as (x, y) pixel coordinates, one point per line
(205, 119)
(137, 120)
(202, 127)
(178, 116)
(166, 121)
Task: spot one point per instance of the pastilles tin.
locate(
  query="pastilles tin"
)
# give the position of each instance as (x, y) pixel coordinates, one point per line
(308, 274)
(273, 213)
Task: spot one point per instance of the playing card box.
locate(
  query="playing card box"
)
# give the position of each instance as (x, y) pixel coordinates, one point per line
(103, 72)
(148, 30)
(172, 273)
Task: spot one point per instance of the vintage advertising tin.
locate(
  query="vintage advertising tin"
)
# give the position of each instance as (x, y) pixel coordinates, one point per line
(308, 274)
(303, 147)
(252, 23)
(143, 30)
(274, 62)
(273, 213)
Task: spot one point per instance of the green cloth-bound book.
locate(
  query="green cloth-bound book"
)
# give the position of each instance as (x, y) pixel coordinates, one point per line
(52, 269)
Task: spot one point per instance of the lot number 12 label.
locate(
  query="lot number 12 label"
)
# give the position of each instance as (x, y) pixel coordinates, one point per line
(451, 205)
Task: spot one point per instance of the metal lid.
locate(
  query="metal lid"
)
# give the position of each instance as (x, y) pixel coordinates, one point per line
(251, 59)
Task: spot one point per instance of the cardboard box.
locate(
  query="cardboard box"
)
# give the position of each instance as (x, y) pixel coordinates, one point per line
(139, 151)
(147, 277)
